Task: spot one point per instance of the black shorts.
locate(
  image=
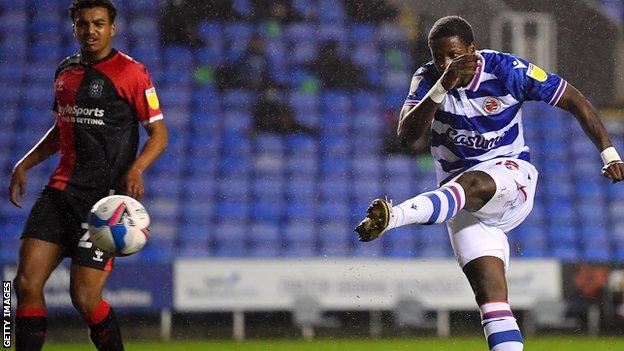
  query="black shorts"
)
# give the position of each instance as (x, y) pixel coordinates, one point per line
(60, 218)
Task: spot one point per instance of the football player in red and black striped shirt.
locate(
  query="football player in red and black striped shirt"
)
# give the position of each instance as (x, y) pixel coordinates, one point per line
(100, 97)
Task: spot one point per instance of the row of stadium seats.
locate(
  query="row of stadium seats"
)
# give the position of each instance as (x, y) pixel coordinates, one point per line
(220, 190)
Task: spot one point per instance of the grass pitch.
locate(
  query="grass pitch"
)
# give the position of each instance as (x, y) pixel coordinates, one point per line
(429, 344)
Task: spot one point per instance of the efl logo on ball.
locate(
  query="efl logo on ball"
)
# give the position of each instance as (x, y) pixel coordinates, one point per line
(118, 225)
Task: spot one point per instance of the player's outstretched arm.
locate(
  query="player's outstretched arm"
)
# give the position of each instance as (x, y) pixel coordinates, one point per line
(155, 145)
(574, 102)
(46, 147)
(414, 121)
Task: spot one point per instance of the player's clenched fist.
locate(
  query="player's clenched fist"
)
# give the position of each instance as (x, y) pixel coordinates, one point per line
(614, 171)
(460, 70)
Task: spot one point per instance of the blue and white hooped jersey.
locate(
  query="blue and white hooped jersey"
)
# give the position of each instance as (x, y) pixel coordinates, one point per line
(483, 120)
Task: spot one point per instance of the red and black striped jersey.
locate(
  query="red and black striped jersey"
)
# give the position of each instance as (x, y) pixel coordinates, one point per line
(98, 108)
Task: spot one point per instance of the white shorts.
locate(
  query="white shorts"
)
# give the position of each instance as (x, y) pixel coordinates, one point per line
(483, 233)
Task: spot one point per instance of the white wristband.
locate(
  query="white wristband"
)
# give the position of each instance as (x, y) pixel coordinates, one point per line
(437, 92)
(609, 155)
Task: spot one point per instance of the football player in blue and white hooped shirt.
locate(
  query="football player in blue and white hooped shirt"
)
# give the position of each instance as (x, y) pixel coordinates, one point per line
(470, 102)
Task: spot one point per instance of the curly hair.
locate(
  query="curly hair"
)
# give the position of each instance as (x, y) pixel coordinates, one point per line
(451, 26)
(87, 4)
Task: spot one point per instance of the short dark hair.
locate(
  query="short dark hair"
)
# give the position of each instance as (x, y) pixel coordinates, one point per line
(451, 26)
(88, 4)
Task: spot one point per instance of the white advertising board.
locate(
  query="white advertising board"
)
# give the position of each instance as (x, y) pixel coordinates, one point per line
(346, 284)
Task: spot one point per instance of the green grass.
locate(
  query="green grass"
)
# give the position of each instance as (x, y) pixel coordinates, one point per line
(463, 344)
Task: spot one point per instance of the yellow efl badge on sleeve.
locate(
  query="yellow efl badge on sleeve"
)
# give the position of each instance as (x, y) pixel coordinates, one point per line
(536, 73)
(152, 98)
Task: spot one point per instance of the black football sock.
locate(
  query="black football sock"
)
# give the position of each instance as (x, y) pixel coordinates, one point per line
(30, 329)
(105, 333)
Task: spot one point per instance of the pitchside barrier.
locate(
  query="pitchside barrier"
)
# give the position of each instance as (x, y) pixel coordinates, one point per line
(131, 287)
(309, 287)
(242, 285)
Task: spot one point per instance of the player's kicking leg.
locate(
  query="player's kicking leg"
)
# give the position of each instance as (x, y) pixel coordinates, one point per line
(471, 191)
(482, 250)
(37, 260)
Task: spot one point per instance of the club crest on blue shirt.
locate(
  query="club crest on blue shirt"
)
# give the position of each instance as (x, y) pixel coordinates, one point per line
(492, 105)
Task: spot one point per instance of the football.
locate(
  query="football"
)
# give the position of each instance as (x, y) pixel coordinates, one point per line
(118, 225)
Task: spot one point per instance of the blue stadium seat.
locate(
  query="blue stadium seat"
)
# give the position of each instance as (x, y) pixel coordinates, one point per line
(165, 185)
(265, 234)
(329, 13)
(238, 31)
(174, 96)
(194, 232)
(334, 166)
(144, 28)
(45, 52)
(210, 30)
(367, 167)
(301, 32)
(178, 56)
(562, 234)
(235, 143)
(366, 56)
(335, 146)
(206, 99)
(362, 33)
(369, 123)
(335, 102)
(39, 95)
(335, 238)
(231, 233)
(301, 167)
(364, 191)
(301, 189)
(13, 21)
(234, 189)
(597, 254)
(149, 55)
(568, 252)
(333, 210)
(12, 75)
(302, 145)
(198, 211)
(306, 8)
(232, 211)
(269, 143)
(400, 166)
(277, 53)
(531, 252)
(8, 255)
(334, 189)
(306, 101)
(372, 249)
(269, 166)
(298, 210)
(235, 99)
(400, 189)
(560, 211)
(199, 187)
(267, 211)
(303, 52)
(211, 54)
(268, 189)
(300, 233)
(529, 236)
